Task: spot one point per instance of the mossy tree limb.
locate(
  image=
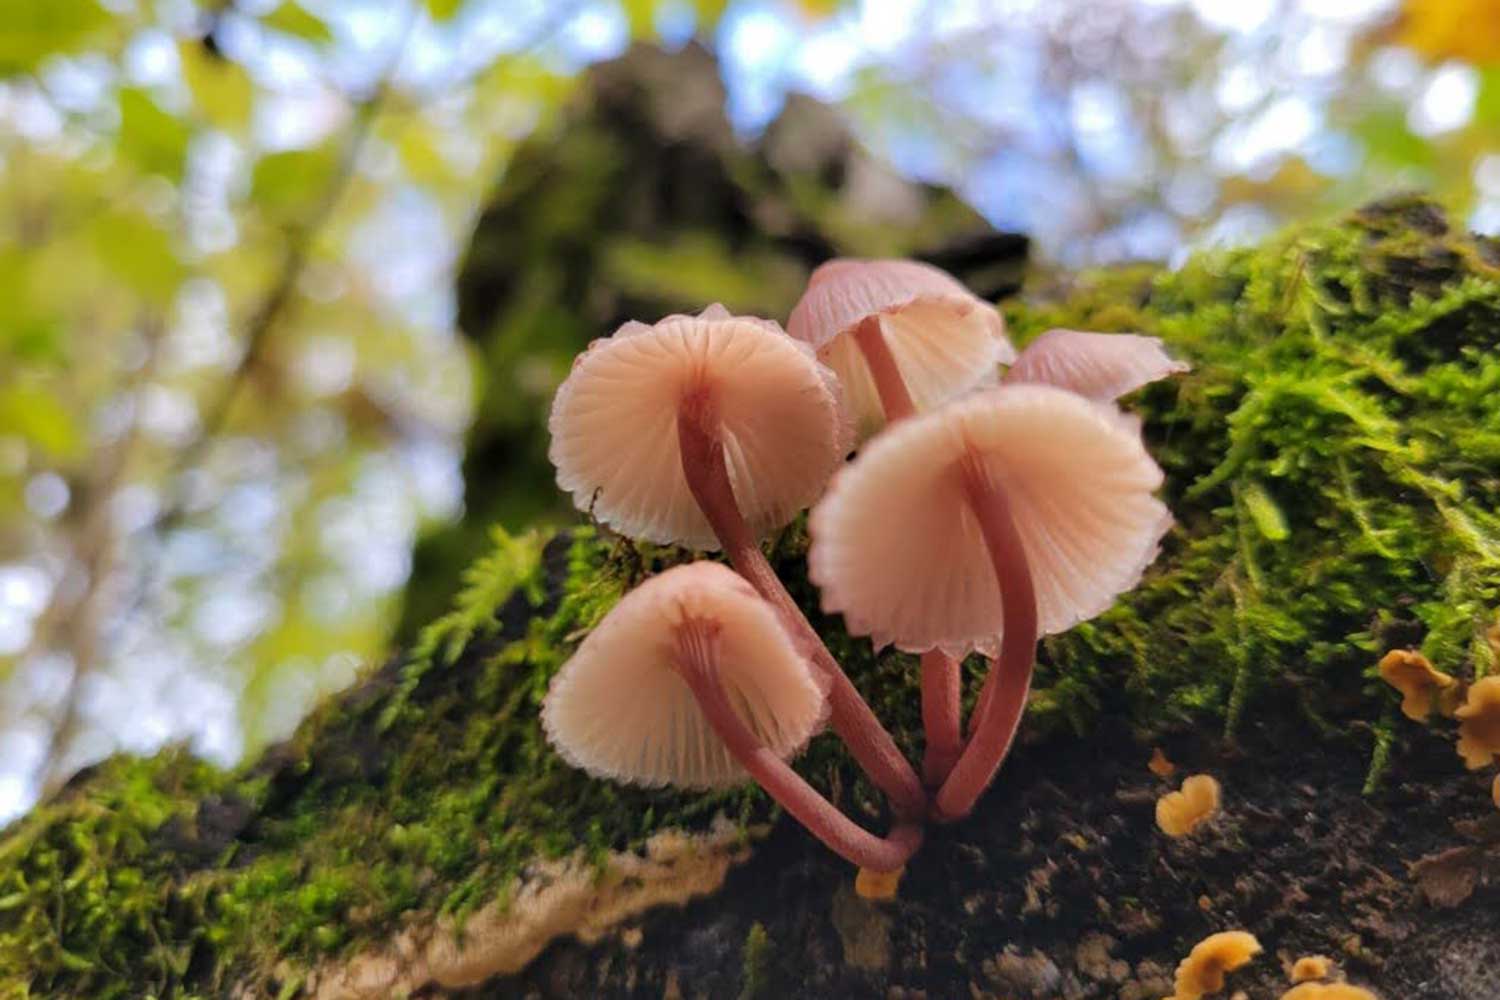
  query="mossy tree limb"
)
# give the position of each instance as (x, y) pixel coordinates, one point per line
(1332, 461)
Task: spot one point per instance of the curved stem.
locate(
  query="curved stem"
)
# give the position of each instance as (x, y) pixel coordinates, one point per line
(842, 835)
(1003, 699)
(707, 475)
(886, 374)
(941, 686)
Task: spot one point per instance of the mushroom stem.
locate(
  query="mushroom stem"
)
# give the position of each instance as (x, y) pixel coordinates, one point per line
(895, 399)
(1003, 699)
(842, 835)
(707, 475)
(941, 711)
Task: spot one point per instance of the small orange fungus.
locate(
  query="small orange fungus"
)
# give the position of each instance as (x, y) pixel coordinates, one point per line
(1202, 972)
(1479, 724)
(1160, 766)
(878, 886)
(1310, 967)
(1495, 791)
(1328, 991)
(1179, 813)
(1418, 681)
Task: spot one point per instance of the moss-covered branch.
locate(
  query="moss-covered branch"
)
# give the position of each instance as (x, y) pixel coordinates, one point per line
(1332, 463)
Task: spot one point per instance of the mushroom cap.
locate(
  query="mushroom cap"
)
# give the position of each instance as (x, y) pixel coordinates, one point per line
(619, 708)
(945, 339)
(1417, 679)
(1101, 366)
(1179, 813)
(1311, 967)
(1203, 970)
(1479, 723)
(896, 548)
(1328, 991)
(614, 424)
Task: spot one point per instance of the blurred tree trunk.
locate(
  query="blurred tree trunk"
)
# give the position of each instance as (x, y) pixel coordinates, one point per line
(641, 201)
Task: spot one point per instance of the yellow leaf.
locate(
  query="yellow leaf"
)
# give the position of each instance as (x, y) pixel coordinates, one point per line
(1452, 29)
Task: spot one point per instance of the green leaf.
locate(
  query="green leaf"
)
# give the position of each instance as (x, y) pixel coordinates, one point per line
(222, 91)
(140, 252)
(32, 30)
(42, 419)
(442, 10)
(295, 19)
(291, 182)
(149, 137)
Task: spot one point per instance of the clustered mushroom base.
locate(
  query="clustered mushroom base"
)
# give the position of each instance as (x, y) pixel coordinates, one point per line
(708, 431)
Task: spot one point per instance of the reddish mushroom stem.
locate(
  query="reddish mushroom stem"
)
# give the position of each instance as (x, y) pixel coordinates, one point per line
(703, 464)
(941, 712)
(895, 399)
(842, 835)
(1003, 699)
(941, 681)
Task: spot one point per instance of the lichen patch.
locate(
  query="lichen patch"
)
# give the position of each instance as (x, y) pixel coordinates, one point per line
(553, 899)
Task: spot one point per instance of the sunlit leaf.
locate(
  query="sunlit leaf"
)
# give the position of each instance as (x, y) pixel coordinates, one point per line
(154, 140)
(31, 30)
(442, 10)
(140, 252)
(1453, 29)
(293, 181)
(40, 418)
(295, 19)
(222, 91)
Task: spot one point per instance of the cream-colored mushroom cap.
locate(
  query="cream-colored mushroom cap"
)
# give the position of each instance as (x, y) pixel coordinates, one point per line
(1101, 366)
(614, 424)
(897, 549)
(619, 708)
(945, 339)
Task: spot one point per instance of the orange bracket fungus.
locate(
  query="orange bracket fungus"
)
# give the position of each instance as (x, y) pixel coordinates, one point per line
(1479, 724)
(1328, 991)
(1179, 813)
(1421, 685)
(978, 518)
(1310, 967)
(1202, 972)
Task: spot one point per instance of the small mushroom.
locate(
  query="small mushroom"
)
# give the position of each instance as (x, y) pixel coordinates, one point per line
(1101, 366)
(1017, 511)
(1310, 967)
(1479, 724)
(1495, 791)
(1420, 684)
(1159, 765)
(708, 431)
(1202, 972)
(901, 335)
(691, 680)
(1328, 991)
(1180, 813)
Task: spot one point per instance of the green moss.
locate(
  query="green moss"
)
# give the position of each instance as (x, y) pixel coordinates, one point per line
(756, 955)
(1331, 462)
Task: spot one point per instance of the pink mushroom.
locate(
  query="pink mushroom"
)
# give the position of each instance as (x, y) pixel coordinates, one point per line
(901, 335)
(1101, 366)
(1018, 511)
(692, 681)
(708, 431)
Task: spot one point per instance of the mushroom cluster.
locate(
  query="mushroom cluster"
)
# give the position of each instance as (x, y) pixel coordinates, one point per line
(980, 512)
